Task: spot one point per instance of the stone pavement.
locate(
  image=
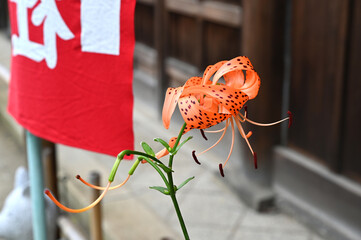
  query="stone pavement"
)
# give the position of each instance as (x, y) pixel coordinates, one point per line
(211, 209)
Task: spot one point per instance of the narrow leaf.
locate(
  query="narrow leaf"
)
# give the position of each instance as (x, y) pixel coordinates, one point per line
(147, 148)
(164, 143)
(185, 182)
(180, 145)
(160, 189)
(164, 167)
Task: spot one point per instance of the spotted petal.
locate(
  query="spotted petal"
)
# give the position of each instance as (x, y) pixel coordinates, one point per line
(210, 70)
(232, 71)
(252, 84)
(170, 102)
(197, 116)
(228, 97)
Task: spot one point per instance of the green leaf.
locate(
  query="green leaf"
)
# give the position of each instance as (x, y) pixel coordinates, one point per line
(147, 148)
(185, 182)
(161, 189)
(164, 167)
(180, 145)
(164, 143)
(157, 162)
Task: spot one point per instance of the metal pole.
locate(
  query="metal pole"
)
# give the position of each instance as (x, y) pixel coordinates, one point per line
(36, 186)
(96, 213)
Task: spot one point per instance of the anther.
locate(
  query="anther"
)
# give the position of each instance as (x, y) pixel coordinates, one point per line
(203, 135)
(255, 160)
(221, 169)
(290, 118)
(195, 157)
(77, 176)
(249, 134)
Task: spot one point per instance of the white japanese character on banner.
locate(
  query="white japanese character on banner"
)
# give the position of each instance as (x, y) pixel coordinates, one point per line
(48, 13)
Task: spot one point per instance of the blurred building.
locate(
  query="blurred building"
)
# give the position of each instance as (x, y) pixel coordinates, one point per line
(308, 54)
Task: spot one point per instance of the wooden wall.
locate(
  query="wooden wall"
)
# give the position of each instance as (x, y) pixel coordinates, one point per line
(325, 84)
(196, 33)
(325, 58)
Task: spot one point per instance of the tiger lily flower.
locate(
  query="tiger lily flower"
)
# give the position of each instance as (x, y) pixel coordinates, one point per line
(204, 103)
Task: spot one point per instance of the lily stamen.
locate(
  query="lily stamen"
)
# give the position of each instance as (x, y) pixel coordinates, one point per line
(224, 132)
(203, 135)
(215, 131)
(50, 195)
(221, 169)
(249, 134)
(245, 114)
(241, 131)
(101, 188)
(232, 144)
(195, 157)
(243, 118)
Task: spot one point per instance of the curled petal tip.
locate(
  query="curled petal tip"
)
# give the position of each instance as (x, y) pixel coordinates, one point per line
(290, 118)
(221, 169)
(195, 157)
(255, 160)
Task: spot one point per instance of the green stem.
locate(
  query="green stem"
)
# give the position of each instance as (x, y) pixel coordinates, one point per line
(176, 144)
(176, 206)
(130, 152)
(171, 187)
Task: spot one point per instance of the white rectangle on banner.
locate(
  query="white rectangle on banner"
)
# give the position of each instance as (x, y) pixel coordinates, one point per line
(100, 26)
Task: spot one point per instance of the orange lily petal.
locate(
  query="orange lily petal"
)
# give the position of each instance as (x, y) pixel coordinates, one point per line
(210, 70)
(232, 71)
(252, 84)
(170, 102)
(234, 79)
(193, 81)
(196, 116)
(238, 63)
(230, 98)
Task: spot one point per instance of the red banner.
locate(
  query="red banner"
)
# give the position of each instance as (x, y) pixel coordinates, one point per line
(71, 71)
